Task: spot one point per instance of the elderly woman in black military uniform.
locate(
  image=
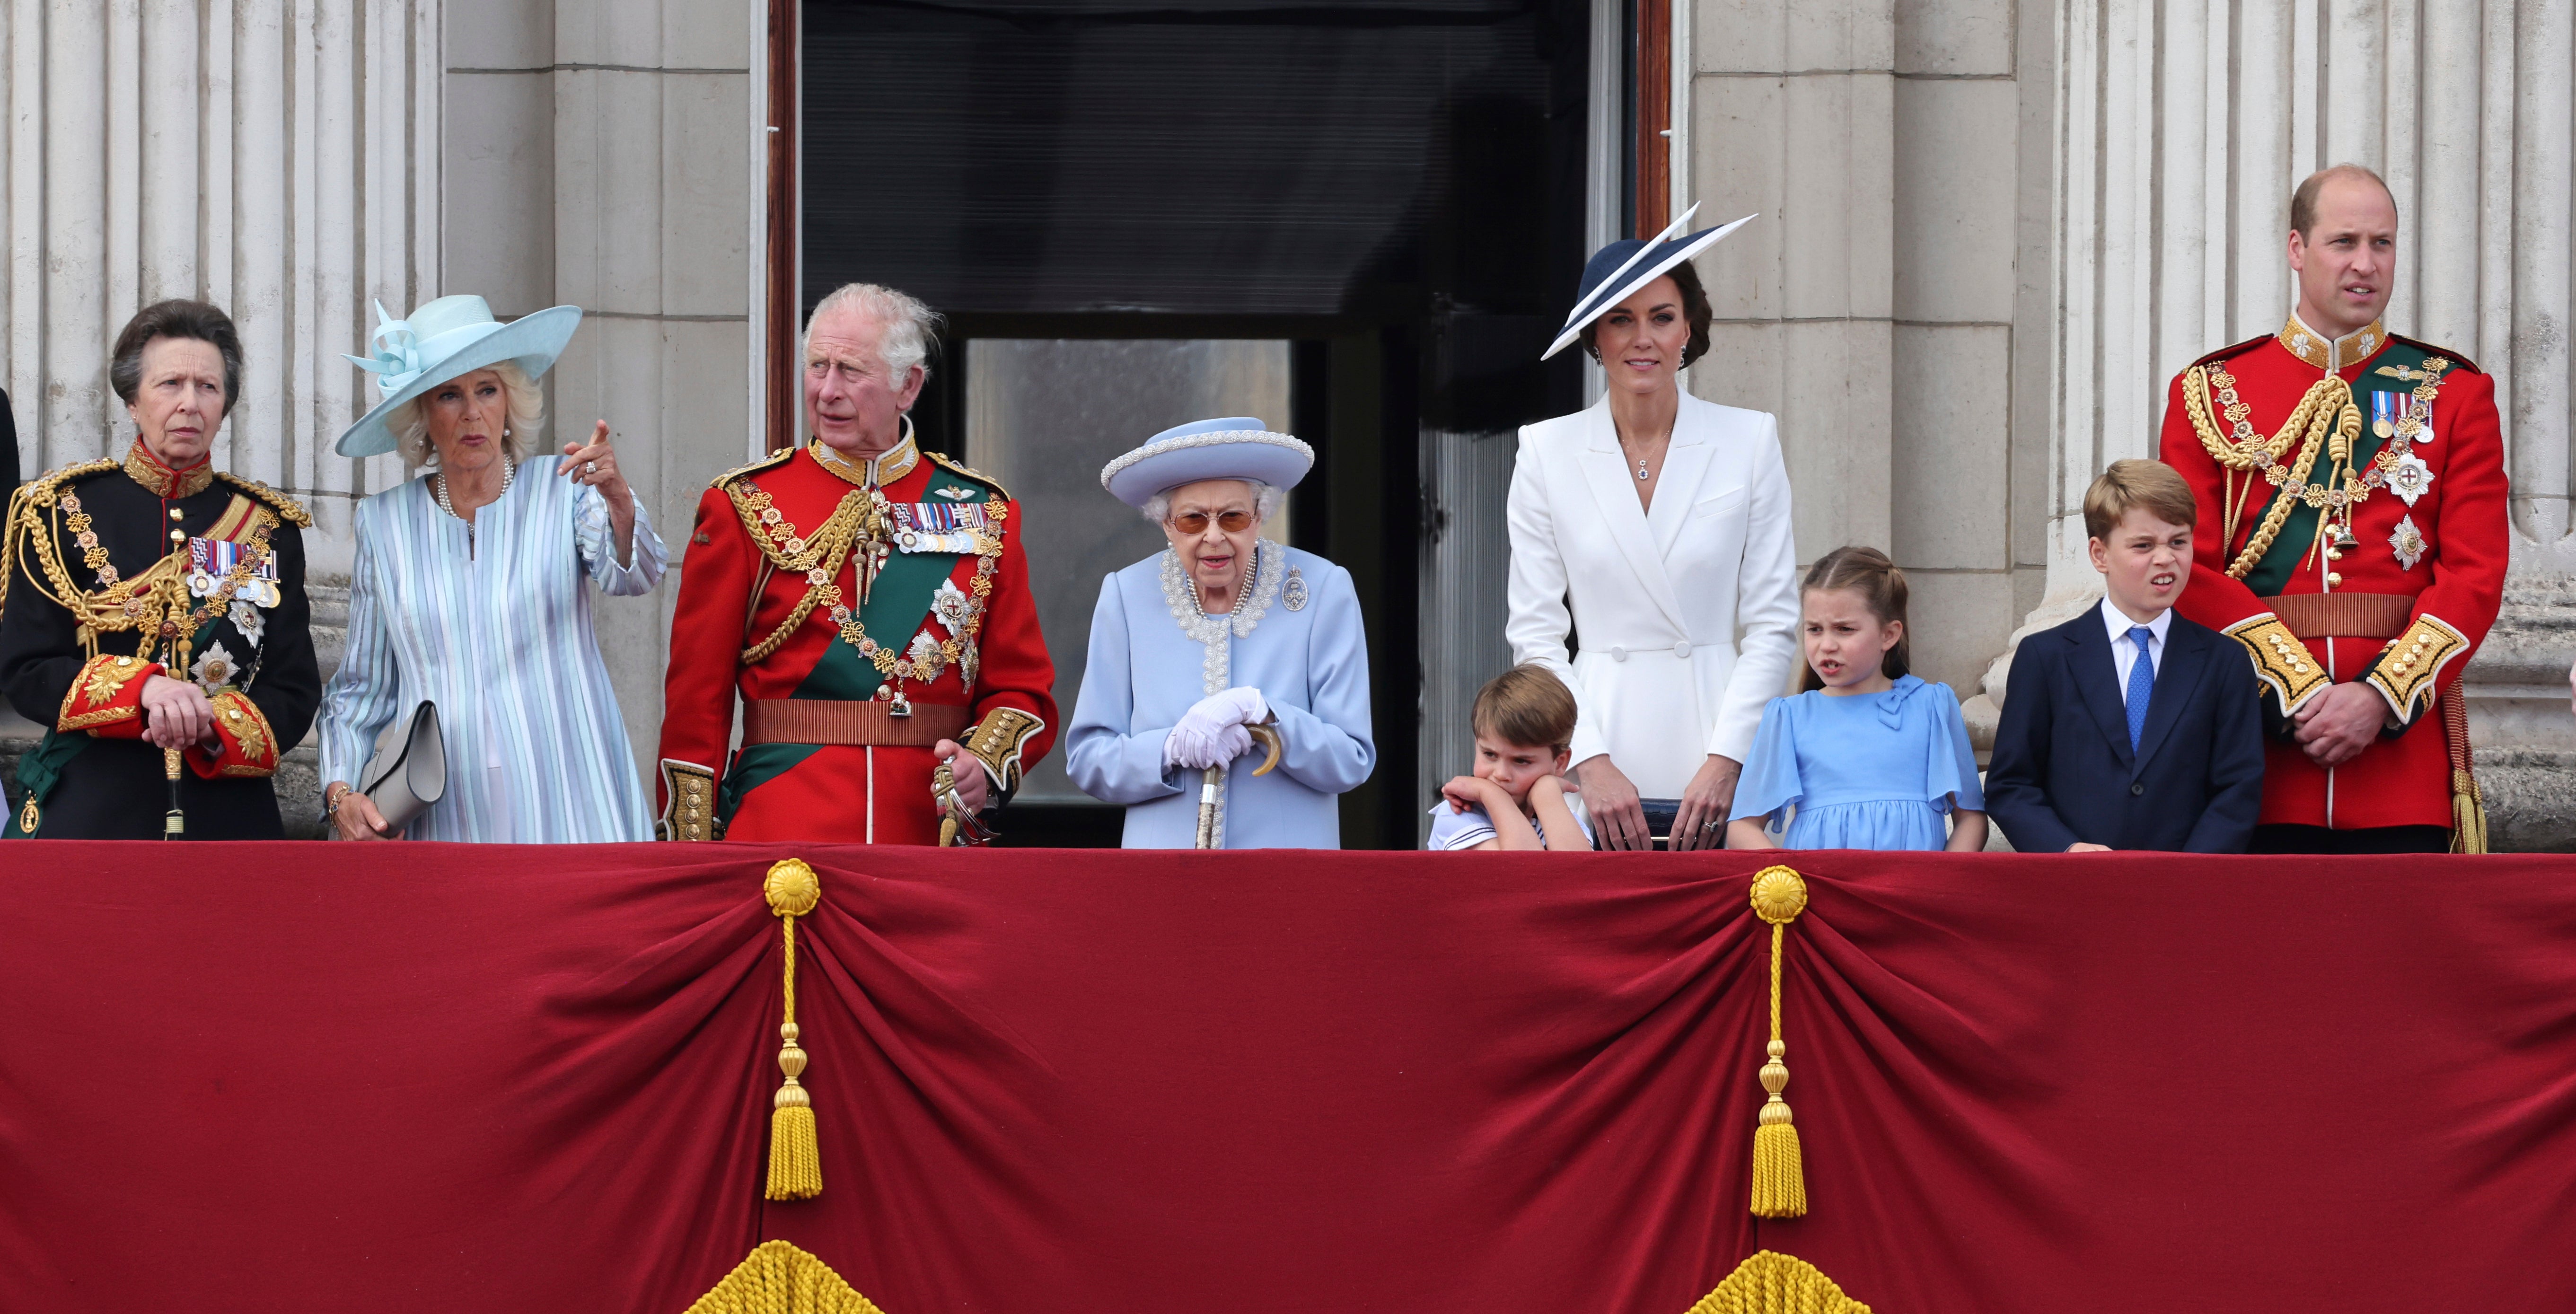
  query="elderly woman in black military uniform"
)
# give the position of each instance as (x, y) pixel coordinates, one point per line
(155, 616)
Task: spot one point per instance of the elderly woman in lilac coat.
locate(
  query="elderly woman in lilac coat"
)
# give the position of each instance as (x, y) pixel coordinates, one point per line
(1222, 633)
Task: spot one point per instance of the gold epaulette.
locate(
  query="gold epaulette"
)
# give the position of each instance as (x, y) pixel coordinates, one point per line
(959, 467)
(2281, 660)
(2458, 361)
(769, 462)
(2405, 670)
(47, 488)
(287, 508)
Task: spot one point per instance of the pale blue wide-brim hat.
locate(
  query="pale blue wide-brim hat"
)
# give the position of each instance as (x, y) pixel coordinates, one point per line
(441, 340)
(1237, 447)
(1618, 270)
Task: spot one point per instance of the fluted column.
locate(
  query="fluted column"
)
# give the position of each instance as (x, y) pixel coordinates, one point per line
(277, 159)
(2184, 127)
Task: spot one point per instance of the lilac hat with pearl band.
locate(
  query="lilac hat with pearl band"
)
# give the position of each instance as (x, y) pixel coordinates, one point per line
(1237, 447)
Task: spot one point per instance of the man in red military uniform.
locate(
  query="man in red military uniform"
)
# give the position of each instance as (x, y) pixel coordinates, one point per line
(869, 604)
(2352, 537)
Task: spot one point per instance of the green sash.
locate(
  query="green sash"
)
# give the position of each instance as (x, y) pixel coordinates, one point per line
(2299, 532)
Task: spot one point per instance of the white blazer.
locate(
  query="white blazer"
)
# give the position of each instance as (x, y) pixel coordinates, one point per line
(1688, 615)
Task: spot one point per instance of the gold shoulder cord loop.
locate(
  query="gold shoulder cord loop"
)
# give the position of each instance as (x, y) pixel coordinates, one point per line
(1779, 1173)
(2326, 409)
(795, 1162)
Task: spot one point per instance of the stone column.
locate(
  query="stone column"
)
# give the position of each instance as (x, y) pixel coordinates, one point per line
(2183, 127)
(277, 159)
(606, 154)
(1891, 305)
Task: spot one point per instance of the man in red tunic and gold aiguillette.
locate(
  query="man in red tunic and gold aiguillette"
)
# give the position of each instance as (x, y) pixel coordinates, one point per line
(869, 603)
(2352, 537)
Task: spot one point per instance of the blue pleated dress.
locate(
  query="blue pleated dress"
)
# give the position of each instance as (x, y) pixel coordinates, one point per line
(1863, 771)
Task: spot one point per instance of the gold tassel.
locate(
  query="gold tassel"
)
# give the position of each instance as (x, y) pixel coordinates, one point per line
(1779, 1170)
(795, 1161)
(2468, 802)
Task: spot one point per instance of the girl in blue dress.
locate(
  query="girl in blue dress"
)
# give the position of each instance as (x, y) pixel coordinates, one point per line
(1868, 757)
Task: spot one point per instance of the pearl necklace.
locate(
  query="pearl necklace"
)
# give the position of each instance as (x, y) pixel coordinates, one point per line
(438, 485)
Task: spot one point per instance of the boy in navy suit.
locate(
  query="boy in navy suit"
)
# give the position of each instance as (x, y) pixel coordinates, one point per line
(2130, 727)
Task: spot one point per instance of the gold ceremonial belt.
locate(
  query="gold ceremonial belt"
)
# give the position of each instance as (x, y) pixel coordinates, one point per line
(2343, 615)
(858, 724)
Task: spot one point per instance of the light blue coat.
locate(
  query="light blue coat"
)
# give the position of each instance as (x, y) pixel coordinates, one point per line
(1310, 663)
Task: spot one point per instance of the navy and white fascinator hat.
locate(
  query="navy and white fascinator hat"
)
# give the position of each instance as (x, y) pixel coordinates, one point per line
(1237, 447)
(441, 340)
(1616, 271)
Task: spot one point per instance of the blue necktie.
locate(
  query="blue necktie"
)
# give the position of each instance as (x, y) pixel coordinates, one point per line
(2142, 685)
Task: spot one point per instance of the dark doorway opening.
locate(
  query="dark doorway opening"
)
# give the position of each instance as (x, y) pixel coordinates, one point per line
(1393, 190)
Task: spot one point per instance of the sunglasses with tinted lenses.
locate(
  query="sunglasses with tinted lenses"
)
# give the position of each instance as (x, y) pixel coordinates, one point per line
(1196, 522)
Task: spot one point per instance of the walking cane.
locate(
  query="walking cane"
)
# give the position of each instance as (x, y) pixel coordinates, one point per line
(1264, 735)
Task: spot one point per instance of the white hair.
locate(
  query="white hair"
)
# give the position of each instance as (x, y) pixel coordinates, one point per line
(904, 325)
(410, 421)
(1265, 500)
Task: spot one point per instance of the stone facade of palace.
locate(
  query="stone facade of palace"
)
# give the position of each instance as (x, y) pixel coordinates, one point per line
(1993, 230)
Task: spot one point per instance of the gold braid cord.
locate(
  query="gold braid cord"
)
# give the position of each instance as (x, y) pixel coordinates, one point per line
(2327, 410)
(1769, 1282)
(1779, 1173)
(795, 1163)
(779, 1278)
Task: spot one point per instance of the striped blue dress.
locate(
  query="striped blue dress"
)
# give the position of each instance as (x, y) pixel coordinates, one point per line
(501, 640)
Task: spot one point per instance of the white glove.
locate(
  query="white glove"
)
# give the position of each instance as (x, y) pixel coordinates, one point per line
(1212, 733)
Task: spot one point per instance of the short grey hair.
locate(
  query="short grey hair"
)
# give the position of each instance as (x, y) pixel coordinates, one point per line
(1265, 500)
(410, 421)
(905, 325)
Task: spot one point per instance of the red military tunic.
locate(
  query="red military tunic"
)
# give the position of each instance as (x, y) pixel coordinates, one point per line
(2315, 589)
(815, 585)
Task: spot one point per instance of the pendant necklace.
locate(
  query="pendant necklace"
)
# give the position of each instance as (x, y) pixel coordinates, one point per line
(1642, 476)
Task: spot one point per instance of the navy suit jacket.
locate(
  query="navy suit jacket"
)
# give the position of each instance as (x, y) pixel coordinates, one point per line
(2062, 772)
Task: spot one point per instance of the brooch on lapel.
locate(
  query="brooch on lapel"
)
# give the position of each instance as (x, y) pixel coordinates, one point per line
(1295, 594)
(954, 493)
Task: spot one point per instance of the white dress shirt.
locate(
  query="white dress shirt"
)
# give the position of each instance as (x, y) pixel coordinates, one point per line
(2124, 654)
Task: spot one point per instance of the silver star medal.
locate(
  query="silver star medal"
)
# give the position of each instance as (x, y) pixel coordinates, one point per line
(248, 619)
(214, 670)
(950, 605)
(2408, 542)
(2409, 478)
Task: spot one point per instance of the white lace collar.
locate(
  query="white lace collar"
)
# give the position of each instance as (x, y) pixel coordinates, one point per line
(1250, 604)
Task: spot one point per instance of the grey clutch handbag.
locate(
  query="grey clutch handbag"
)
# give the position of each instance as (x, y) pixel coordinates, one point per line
(409, 770)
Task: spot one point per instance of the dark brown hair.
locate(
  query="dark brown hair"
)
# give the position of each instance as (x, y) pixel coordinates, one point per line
(2150, 486)
(1695, 311)
(2303, 202)
(1881, 586)
(1526, 705)
(193, 320)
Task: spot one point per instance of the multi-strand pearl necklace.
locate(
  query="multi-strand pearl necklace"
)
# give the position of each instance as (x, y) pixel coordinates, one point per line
(438, 487)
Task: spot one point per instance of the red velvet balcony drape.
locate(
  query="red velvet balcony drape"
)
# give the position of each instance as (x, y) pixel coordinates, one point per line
(424, 1077)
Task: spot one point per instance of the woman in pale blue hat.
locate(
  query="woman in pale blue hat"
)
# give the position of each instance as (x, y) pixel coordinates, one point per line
(1664, 521)
(1222, 637)
(471, 590)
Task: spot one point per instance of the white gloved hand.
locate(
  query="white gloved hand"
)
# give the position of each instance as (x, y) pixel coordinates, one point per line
(1212, 733)
(1226, 744)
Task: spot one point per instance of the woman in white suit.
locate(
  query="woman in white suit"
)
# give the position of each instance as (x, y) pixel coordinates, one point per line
(1664, 521)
